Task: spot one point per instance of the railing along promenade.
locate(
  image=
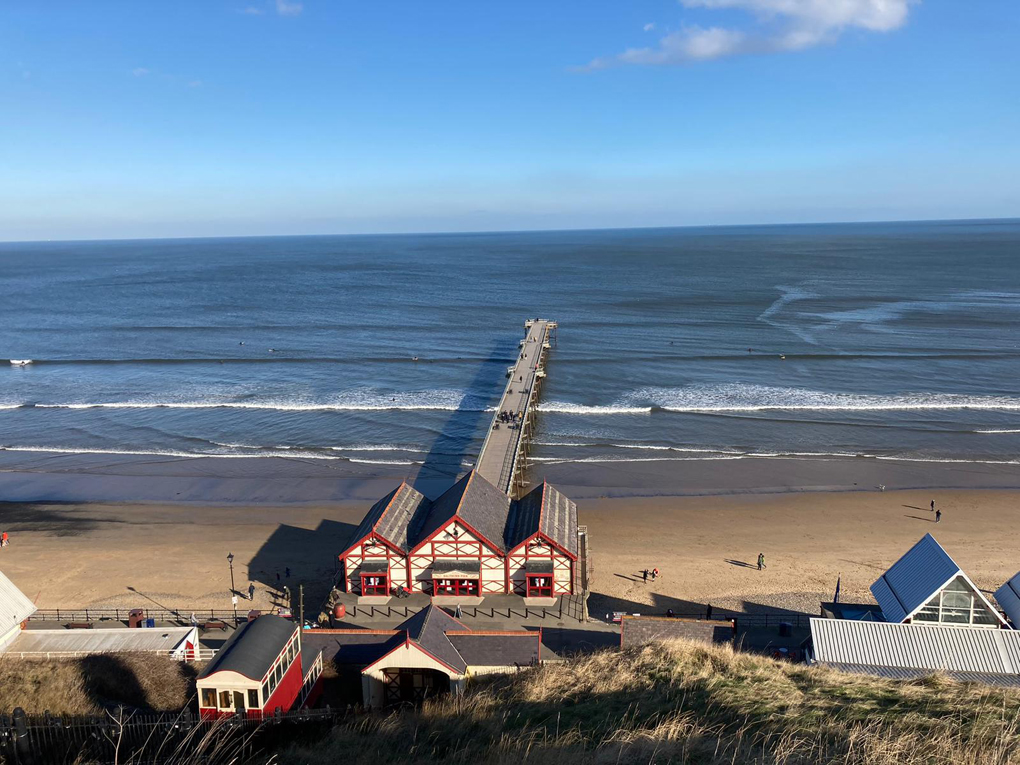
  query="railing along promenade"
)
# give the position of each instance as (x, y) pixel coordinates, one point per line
(501, 459)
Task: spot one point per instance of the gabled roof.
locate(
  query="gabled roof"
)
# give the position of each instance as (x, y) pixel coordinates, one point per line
(543, 509)
(15, 606)
(394, 518)
(497, 649)
(1008, 597)
(914, 579)
(253, 647)
(477, 503)
(428, 628)
(915, 646)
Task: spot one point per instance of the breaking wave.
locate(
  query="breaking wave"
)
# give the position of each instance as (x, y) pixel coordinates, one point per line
(756, 398)
(312, 455)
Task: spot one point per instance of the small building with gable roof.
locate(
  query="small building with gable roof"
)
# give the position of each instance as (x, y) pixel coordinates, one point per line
(428, 655)
(926, 585)
(471, 541)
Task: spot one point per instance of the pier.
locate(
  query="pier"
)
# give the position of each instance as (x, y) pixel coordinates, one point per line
(501, 460)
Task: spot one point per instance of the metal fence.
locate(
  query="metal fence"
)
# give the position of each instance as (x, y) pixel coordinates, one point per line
(123, 736)
(182, 616)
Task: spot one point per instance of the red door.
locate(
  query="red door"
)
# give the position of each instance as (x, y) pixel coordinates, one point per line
(457, 587)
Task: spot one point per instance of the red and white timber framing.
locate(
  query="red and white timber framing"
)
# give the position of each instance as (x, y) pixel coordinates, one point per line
(498, 573)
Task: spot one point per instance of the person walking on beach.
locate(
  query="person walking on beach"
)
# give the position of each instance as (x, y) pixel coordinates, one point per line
(644, 575)
(251, 591)
(938, 516)
(933, 505)
(4, 541)
(761, 561)
(287, 572)
(655, 574)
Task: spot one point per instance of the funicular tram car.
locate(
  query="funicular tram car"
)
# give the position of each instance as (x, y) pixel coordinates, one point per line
(259, 670)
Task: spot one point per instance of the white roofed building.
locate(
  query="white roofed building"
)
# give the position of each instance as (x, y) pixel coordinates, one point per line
(927, 586)
(15, 608)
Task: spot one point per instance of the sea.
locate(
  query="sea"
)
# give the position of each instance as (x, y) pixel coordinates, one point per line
(883, 341)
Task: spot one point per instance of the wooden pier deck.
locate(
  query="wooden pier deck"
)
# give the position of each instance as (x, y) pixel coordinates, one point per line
(501, 461)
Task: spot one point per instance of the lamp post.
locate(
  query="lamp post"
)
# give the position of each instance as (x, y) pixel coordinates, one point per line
(233, 590)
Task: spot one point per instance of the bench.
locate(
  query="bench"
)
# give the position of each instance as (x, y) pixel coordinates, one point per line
(79, 625)
(214, 625)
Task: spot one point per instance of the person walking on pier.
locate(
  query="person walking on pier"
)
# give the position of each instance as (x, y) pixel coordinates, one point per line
(761, 561)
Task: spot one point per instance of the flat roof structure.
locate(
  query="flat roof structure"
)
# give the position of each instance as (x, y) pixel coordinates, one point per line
(964, 653)
(64, 642)
(500, 460)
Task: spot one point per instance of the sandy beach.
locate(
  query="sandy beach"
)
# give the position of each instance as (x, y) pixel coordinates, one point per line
(66, 553)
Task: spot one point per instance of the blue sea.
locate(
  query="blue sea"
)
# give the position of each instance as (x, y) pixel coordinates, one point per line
(881, 340)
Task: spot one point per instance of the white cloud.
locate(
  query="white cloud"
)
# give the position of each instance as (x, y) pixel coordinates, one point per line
(779, 26)
(140, 71)
(649, 27)
(285, 8)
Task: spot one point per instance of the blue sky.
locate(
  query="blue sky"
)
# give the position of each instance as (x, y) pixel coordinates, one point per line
(206, 118)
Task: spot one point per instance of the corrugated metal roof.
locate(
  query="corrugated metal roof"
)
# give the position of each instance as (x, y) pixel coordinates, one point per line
(15, 606)
(912, 580)
(916, 646)
(900, 673)
(102, 640)
(1008, 597)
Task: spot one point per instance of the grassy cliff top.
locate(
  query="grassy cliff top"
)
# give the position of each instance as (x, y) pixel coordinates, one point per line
(686, 702)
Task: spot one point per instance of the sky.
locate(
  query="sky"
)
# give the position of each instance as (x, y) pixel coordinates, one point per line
(261, 117)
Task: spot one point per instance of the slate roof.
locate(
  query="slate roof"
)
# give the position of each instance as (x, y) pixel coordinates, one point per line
(405, 517)
(475, 501)
(497, 650)
(912, 580)
(253, 647)
(15, 606)
(352, 647)
(921, 647)
(544, 509)
(395, 517)
(428, 628)
(1008, 597)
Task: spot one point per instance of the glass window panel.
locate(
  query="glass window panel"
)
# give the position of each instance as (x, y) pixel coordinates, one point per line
(983, 616)
(956, 599)
(927, 614)
(253, 698)
(225, 700)
(957, 585)
(956, 615)
(209, 697)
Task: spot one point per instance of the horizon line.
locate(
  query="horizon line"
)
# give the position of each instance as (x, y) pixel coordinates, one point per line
(468, 232)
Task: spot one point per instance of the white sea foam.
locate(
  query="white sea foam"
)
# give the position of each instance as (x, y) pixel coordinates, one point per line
(758, 398)
(999, 430)
(164, 452)
(568, 408)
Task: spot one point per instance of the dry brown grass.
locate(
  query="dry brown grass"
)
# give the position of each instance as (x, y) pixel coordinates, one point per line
(87, 685)
(689, 703)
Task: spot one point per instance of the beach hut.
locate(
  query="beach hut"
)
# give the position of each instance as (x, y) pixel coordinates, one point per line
(470, 542)
(430, 654)
(15, 608)
(259, 670)
(927, 586)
